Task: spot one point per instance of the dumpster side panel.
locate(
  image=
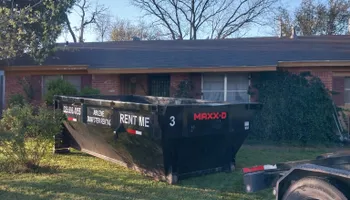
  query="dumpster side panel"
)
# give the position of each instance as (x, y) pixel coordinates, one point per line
(204, 138)
(124, 136)
(160, 137)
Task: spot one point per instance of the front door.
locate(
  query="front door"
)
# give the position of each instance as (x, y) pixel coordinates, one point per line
(159, 85)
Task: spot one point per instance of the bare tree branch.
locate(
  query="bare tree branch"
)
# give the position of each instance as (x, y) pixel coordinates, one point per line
(69, 27)
(180, 16)
(103, 26)
(125, 30)
(88, 16)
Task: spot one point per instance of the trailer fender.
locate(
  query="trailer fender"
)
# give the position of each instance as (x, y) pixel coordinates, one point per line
(340, 178)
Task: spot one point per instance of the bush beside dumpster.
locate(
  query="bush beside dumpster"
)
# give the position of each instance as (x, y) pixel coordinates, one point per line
(297, 108)
(26, 134)
(59, 87)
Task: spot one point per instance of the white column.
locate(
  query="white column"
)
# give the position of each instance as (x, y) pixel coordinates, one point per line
(225, 87)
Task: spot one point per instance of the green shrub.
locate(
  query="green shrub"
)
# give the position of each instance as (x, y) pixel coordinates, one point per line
(184, 89)
(17, 99)
(28, 88)
(58, 87)
(26, 136)
(89, 91)
(296, 108)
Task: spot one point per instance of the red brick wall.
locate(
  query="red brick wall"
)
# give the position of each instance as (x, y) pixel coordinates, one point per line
(335, 84)
(325, 75)
(86, 80)
(12, 85)
(108, 84)
(176, 78)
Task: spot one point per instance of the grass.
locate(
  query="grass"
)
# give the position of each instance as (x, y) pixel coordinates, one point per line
(80, 176)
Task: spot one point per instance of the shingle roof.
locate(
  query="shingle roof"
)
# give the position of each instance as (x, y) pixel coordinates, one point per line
(199, 53)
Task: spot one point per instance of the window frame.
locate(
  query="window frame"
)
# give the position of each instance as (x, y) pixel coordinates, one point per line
(61, 76)
(225, 90)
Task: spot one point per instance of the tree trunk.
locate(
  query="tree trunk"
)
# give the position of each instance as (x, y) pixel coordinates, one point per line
(70, 29)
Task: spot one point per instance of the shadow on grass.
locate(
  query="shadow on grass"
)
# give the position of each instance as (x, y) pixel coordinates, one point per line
(74, 152)
(16, 168)
(98, 184)
(82, 176)
(17, 195)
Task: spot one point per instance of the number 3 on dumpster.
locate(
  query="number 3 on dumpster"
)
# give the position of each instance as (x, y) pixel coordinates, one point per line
(172, 121)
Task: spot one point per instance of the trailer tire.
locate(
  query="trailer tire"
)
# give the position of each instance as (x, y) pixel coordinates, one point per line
(313, 188)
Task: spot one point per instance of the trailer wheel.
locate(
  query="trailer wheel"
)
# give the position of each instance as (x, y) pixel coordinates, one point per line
(313, 188)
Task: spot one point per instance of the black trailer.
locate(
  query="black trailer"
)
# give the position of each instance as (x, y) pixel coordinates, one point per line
(327, 177)
(166, 138)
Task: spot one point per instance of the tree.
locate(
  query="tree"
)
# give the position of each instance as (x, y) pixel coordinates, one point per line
(88, 15)
(125, 30)
(103, 26)
(31, 26)
(283, 23)
(190, 18)
(317, 18)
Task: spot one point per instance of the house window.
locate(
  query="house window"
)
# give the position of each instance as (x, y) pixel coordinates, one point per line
(73, 79)
(225, 87)
(159, 85)
(347, 90)
(214, 87)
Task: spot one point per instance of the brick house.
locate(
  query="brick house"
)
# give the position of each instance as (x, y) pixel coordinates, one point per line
(219, 69)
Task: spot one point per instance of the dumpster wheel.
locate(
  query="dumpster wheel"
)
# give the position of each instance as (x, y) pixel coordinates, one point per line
(58, 147)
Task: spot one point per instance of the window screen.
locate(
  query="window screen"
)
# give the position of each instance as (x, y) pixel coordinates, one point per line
(213, 87)
(237, 88)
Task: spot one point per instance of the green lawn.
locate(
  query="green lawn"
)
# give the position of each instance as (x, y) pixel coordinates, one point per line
(80, 176)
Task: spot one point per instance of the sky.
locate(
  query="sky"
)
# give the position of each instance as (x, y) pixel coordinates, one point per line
(123, 9)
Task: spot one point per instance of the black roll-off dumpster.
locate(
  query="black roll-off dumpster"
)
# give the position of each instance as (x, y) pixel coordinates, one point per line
(166, 138)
